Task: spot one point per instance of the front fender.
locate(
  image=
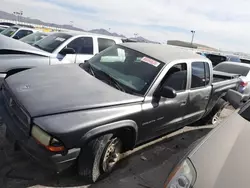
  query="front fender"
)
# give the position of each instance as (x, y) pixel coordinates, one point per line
(111, 128)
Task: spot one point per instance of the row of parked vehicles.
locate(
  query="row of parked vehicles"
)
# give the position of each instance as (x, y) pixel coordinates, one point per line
(102, 97)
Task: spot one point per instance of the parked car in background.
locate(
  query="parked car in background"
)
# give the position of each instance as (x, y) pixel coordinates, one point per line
(214, 58)
(233, 58)
(35, 37)
(221, 159)
(245, 60)
(2, 28)
(90, 113)
(7, 24)
(242, 69)
(18, 32)
(217, 58)
(58, 48)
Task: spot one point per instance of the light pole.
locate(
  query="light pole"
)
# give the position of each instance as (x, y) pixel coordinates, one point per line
(17, 14)
(193, 32)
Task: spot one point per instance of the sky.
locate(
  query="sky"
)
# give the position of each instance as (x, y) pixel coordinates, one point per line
(223, 24)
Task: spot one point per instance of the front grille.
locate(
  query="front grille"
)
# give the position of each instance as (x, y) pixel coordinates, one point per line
(15, 109)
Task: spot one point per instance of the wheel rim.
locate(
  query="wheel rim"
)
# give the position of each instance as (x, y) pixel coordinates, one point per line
(111, 155)
(216, 118)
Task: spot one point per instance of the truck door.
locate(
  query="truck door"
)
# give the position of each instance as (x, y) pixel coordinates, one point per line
(163, 115)
(84, 49)
(200, 91)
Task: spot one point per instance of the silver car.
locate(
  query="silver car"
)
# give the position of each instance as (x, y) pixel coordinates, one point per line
(220, 160)
(242, 69)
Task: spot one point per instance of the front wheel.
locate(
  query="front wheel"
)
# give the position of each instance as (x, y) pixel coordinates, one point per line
(99, 157)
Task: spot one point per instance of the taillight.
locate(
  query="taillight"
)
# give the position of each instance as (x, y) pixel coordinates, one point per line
(243, 84)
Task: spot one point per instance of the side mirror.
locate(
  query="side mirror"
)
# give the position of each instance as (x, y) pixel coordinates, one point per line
(66, 51)
(168, 92)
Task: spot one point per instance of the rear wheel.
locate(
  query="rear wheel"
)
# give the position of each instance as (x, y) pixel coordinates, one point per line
(99, 157)
(214, 116)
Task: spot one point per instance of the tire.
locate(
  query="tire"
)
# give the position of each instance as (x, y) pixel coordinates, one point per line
(213, 116)
(94, 155)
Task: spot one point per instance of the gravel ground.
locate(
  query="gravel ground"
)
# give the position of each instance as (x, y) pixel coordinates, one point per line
(144, 167)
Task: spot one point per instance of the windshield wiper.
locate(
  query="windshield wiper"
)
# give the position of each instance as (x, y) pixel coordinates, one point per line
(91, 70)
(111, 79)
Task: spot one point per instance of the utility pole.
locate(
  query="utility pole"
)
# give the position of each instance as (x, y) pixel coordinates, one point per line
(193, 32)
(135, 34)
(71, 23)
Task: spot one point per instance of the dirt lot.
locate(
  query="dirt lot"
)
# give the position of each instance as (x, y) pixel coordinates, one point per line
(145, 167)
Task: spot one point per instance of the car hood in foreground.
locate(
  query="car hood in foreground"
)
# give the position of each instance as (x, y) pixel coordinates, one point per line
(64, 88)
(223, 160)
(10, 46)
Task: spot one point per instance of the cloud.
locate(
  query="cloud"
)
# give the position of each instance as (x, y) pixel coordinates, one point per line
(221, 24)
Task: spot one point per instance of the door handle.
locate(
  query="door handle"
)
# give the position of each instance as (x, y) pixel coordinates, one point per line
(183, 103)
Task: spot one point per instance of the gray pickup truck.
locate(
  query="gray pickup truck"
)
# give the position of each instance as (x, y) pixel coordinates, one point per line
(57, 48)
(127, 95)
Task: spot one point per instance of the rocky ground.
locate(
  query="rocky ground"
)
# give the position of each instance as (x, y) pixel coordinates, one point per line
(145, 167)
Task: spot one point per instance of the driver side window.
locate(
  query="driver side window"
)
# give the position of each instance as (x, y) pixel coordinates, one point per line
(82, 45)
(176, 77)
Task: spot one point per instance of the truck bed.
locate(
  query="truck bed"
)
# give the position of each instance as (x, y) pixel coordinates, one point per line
(222, 82)
(223, 76)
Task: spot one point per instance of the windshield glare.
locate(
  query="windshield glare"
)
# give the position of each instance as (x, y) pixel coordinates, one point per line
(35, 37)
(130, 68)
(52, 42)
(233, 69)
(9, 31)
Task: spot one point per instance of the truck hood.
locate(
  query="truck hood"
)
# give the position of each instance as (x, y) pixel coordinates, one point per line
(58, 89)
(223, 159)
(10, 46)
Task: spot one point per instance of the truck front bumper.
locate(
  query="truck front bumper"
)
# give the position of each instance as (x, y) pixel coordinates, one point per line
(16, 136)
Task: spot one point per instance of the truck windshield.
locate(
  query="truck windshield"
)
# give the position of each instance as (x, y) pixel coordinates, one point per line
(52, 42)
(133, 70)
(233, 69)
(9, 31)
(35, 37)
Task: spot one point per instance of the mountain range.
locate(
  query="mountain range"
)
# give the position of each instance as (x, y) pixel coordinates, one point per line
(8, 16)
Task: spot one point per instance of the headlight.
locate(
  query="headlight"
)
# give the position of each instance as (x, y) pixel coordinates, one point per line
(43, 138)
(183, 176)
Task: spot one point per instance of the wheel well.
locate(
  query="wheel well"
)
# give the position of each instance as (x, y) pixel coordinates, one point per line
(127, 135)
(14, 71)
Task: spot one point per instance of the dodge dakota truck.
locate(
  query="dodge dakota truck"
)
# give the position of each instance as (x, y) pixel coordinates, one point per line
(89, 114)
(58, 48)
